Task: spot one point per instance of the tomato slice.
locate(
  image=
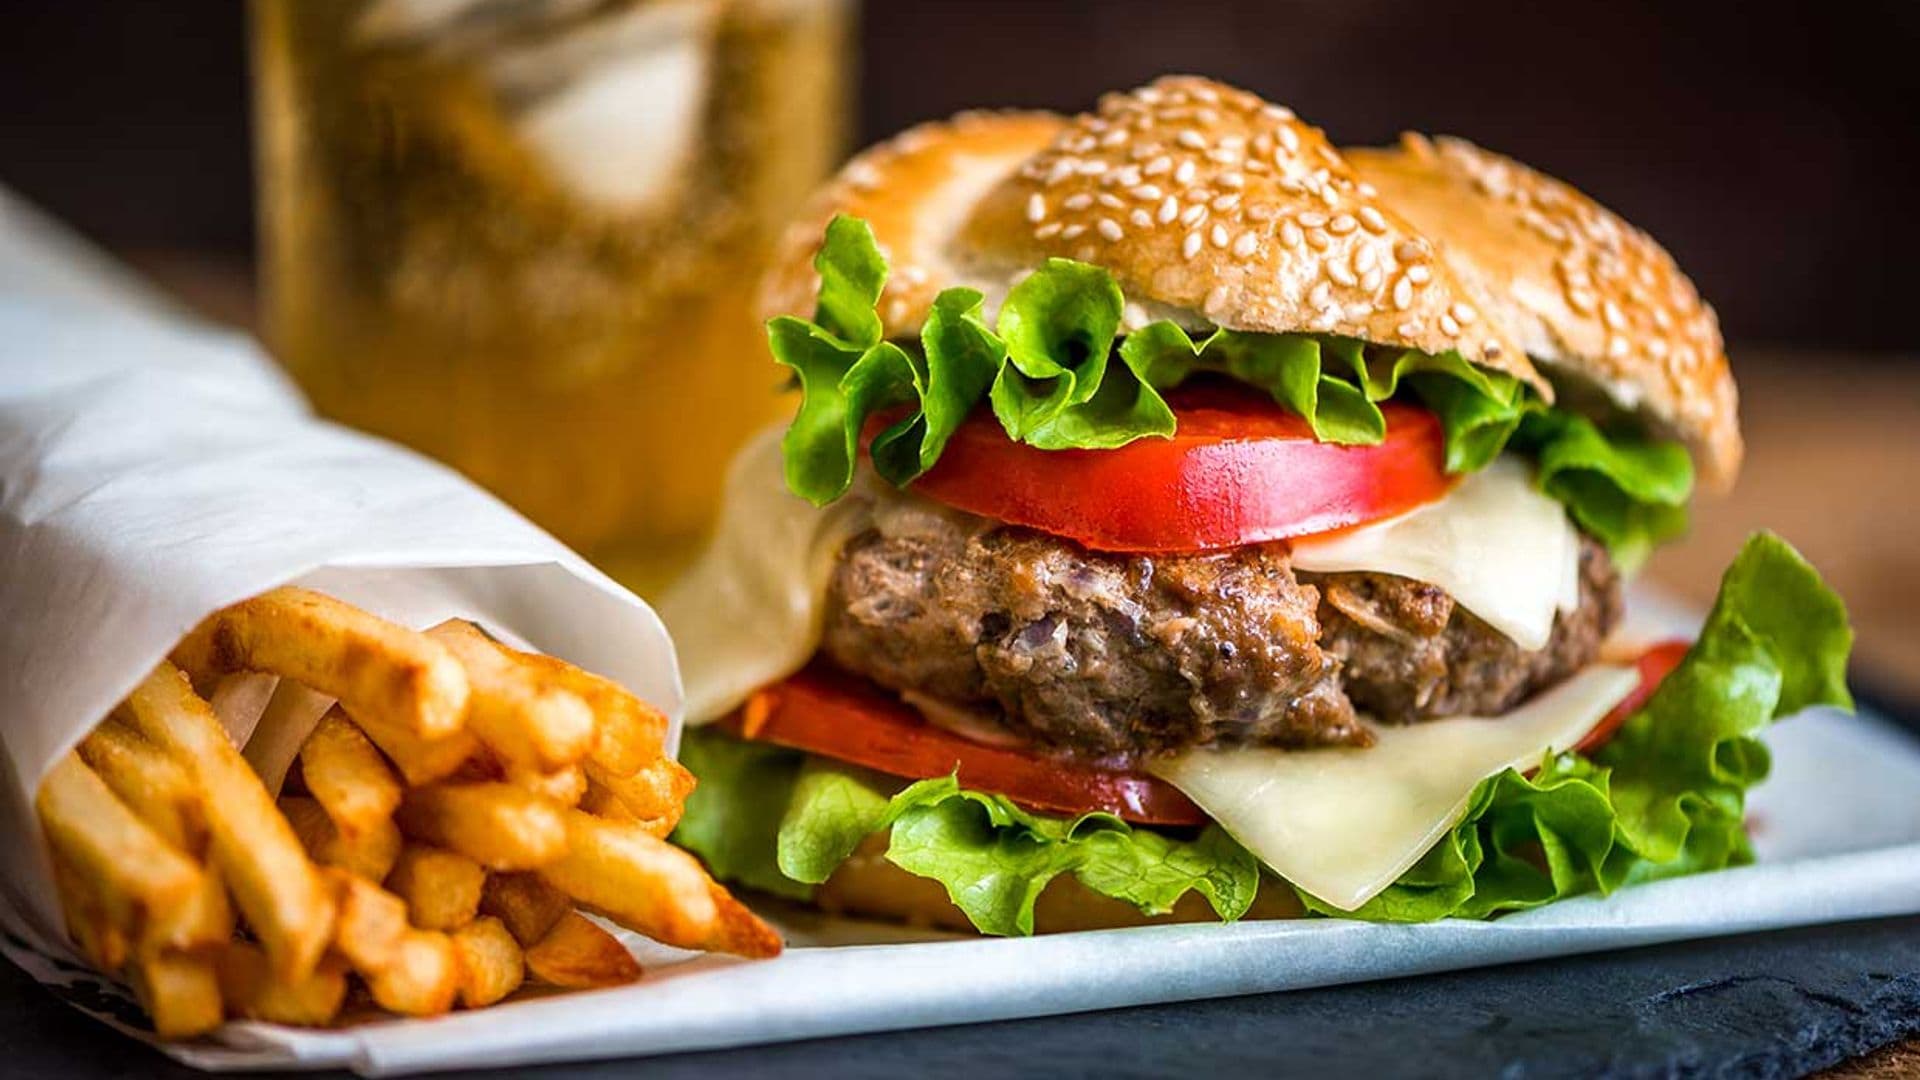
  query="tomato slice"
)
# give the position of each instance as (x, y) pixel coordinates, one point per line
(826, 712)
(1654, 666)
(1239, 470)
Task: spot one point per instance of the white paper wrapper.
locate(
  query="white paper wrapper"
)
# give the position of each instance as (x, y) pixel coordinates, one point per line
(150, 473)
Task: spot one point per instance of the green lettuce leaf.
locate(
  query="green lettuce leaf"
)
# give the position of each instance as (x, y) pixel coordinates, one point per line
(1627, 490)
(1667, 794)
(993, 857)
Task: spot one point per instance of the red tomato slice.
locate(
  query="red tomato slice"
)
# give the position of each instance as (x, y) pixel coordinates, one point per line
(839, 716)
(1240, 470)
(1654, 665)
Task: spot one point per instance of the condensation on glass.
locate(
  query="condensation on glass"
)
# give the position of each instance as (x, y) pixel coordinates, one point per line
(523, 235)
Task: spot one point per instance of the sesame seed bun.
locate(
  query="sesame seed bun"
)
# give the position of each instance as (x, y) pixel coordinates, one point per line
(1591, 298)
(868, 886)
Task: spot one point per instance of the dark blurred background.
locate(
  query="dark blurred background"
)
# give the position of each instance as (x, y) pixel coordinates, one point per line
(1770, 146)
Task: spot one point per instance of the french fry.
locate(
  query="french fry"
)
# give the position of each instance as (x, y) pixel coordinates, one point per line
(103, 944)
(500, 826)
(655, 795)
(564, 786)
(273, 882)
(423, 977)
(180, 991)
(580, 955)
(375, 668)
(531, 723)
(248, 984)
(528, 906)
(628, 732)
(636, 879)
(421, 761)
(344, 771)
(136, 876)
(489, 960)
(603, 803)
(204, 923)
(369, 853)
(441, 888)
(739, 931)
(150, 783)
(371, 924)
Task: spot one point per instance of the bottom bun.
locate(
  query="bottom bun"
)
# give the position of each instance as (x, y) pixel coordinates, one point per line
(868, 886)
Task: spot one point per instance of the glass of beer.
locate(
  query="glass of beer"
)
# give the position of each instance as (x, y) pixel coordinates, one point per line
(523, 236)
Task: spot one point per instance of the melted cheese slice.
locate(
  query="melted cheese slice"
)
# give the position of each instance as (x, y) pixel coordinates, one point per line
(1343, 824)
(1499, 547)
(748, 612)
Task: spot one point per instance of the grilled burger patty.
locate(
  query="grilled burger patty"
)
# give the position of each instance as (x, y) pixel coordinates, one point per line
(1108, 655)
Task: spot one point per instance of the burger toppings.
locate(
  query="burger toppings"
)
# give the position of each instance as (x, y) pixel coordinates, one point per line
(1458, 817)
(1056, 373)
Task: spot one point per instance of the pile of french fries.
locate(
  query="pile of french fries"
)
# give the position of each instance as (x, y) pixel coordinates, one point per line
(440, 833)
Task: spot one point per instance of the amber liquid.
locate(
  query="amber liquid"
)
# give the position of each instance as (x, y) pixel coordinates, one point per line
(524, 237)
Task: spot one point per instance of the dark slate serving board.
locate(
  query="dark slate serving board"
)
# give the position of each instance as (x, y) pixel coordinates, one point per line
(1763, 1005)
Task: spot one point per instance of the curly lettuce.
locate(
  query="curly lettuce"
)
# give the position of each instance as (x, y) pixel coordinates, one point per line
(1667, 794)
(1058, 374)
(1664, 797)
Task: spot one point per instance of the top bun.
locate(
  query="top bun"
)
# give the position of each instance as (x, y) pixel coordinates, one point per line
(1591, 298)
(1214, 208)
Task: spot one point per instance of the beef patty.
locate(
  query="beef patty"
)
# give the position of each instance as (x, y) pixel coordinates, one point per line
(1108, 655)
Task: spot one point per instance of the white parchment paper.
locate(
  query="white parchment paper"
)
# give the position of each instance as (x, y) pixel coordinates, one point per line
(152, 471)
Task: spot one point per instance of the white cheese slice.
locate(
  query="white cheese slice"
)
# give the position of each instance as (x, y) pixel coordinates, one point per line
(1499, 547)
(748, 612)
(1343, 824)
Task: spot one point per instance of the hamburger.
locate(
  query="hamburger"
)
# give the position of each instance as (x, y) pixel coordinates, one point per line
(1184, 518)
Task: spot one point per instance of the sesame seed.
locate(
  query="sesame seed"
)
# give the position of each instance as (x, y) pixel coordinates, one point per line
(1616, 347)
(1224, 203)
(1114, 138)
(1158, 165)
(1402, 294)
(1193, 215)
(1407, 329)
(1340, 273)
(1191, 245)
(1036, 208)
(1358, 310)
(1464, 313)
(1657, 349)
(1093, 168)
(1169, 209)
(1184, 174)
(1079, 201)
(1311, 220)
(1230, 180)
(1140, 219)
(1109, 200)
(1290, 234)
(1320, 295)
(1450, 326)
(1583, 300)
(1615, 318)
(1191, 139)
(1318, 239)
(1364, 257)
(1062, 169)
(1289, 140)
(1218, 235)
(1146, 192)
(1216, 299)
(1491, 349)
(1370, 279)
(1326, 317)
(1262, 212)
(1245, 246)
(1109, 228)
(1409, 251)
(1419, 275)
(1368, 191)
(1072, 231)
(1374, 221)
(1277, 112)
(1342, 224)
(1047, 231)
(1206, 94)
